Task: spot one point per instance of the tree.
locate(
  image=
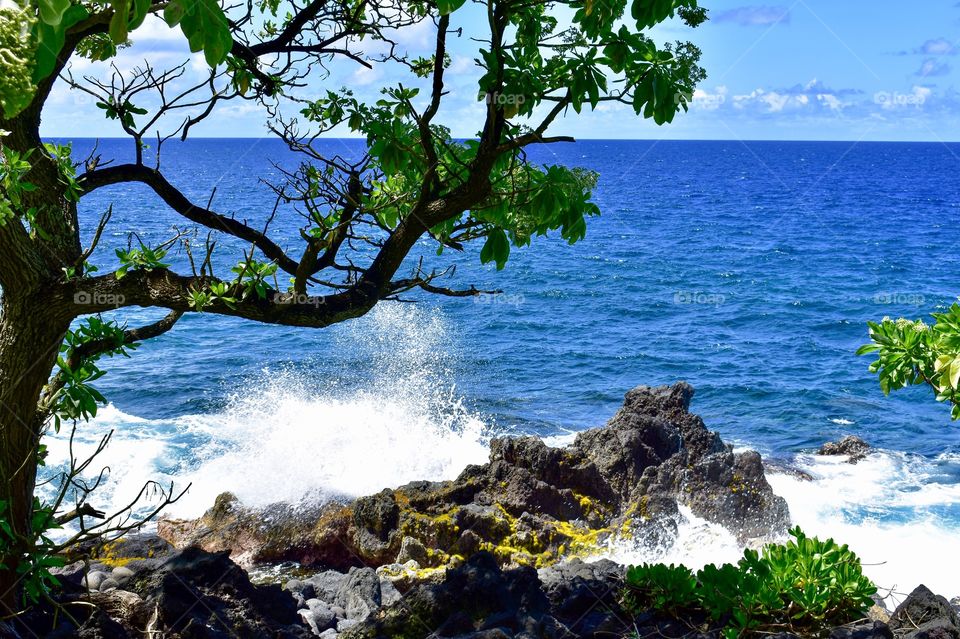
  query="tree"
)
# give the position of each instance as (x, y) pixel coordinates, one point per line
(361, 217)
(911, 353)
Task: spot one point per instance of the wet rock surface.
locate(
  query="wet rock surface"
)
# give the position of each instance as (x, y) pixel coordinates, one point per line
(852, 446)
(529, 505)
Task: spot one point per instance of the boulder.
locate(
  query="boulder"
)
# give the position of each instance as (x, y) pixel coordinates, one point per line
(531, 504)
(326, 584)
(476, 597)
(359, 595)
(312, 536)
(319, 616)
(863, 630)
(585, 597)
(192, 594)
(924, 615)
(850, 445)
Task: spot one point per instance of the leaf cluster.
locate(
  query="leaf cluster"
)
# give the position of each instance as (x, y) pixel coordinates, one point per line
(910, 353)
(805, 585)
(36, 552)
(77, 398)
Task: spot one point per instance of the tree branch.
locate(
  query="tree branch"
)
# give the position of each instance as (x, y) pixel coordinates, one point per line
(124, 173)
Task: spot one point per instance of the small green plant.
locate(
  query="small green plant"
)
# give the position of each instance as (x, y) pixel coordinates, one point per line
(252, 276)
(74, 397)
(805, 585)
(140, 259)
(38, 552)
(659, 586)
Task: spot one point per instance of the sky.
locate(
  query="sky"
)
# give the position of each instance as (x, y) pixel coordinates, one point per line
(802, 70)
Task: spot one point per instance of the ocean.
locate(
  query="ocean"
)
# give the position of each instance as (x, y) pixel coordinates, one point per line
(748, 269)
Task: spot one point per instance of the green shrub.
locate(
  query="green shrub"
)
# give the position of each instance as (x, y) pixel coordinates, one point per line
(804, 585)
(662, 587)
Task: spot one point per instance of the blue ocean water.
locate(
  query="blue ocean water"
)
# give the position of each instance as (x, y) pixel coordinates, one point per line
(748, 269)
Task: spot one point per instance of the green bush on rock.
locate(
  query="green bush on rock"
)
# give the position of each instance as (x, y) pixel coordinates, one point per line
(804, 585)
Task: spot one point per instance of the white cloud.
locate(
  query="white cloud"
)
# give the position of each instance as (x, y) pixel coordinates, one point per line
(754, 16)
(771, 101)
(706, 101)
(155, 30)
(364, 76)
(830, 101)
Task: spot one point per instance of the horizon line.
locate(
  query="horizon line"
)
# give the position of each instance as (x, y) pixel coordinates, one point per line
(741, 140)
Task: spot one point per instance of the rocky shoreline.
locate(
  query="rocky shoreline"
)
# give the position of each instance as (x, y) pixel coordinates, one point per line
(498, 552)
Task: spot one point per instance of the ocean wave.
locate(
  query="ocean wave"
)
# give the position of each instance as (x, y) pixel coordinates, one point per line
(285, 436)
(892, 509)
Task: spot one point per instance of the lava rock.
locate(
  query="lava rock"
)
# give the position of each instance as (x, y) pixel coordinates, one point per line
(326, 584)
(412, 550)
(360, 593)
(531, 504)
(476, 597)
(585, 597)
(850, 445)
(319, 616)
(864, 630)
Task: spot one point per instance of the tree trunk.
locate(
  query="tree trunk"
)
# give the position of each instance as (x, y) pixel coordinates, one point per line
(31, 332)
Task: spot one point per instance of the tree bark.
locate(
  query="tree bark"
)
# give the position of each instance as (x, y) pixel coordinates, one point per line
(30, 337)
(33, 322)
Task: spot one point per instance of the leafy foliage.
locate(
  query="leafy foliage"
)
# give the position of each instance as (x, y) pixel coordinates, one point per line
(205, 26)
(33, 32)
(253, 275)
(805, 585)
(910, 353)
(77, 398)
(140, 259)
(536, 63)
(36, 551)
(14, 167)
(17, 61)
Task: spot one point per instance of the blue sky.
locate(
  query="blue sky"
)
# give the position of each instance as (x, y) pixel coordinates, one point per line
(808, 70)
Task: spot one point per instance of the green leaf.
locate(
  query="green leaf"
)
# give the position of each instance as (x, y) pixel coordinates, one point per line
(119, 23)
(52, 11)
(50, 39)
(446, 7)
(496, 249)
(205, 25)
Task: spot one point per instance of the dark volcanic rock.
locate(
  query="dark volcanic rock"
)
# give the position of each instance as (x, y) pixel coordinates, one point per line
(850, 445)
(476, 597)
(924, 615)
(204, 595)
(190, 595)
(585, 597)
(864, 630)
(529, 505)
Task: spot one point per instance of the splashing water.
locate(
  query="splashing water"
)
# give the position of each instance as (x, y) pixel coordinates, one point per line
(895, 511)
(287, 437)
